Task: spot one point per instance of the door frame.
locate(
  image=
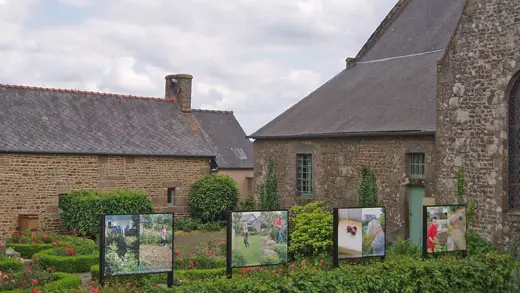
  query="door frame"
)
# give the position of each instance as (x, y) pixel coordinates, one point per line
(407, 207)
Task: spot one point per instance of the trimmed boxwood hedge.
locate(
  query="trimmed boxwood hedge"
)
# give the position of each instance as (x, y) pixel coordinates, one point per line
(68, 264)
(7, 264)
(64, 281)
(27, 250)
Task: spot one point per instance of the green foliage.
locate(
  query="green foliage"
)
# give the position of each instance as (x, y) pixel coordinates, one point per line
(368, 189)
(269, 190)
(9, 264)
(403, 247)
(238, 259)
(81, 210)
(67, 264)
(472, 204)
(396, 274)
(311, 230)
(211, 226)
(211, 196)
(248, 204)
(186, 224)
(477, 244)
(27, 250)
(64, 281)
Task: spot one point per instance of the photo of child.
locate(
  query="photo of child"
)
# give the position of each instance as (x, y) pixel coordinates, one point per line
(446, 228)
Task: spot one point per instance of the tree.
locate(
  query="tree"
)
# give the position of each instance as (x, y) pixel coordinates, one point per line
(269, 190)
(368, 189)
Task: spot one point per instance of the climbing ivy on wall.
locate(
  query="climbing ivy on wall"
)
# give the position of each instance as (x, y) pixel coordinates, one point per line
(268, 191)
(368, 189)
(472, 204)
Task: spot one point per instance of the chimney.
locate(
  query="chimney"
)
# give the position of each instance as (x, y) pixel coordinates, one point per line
(350, 62)
(178, 89)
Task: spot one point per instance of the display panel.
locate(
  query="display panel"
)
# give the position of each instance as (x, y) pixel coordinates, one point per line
(444, 228)
(136, 244)
(257, 238)
(359, 232)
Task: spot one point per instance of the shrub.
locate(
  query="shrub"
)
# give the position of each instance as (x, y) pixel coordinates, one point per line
(238, 259)
(186, 224)
(476, 244)
(311, 230)
(211, 196)
(211, 226)
(7, 263)
(403, 247)
(269, 190)
(27, 250)
(368, 189)
(248, 204)
(64, 281)
(68, 264)
(81, 209)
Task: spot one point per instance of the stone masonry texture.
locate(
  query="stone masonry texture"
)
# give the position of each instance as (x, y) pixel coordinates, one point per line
(474, 79)
(31, 184)
(337, 167)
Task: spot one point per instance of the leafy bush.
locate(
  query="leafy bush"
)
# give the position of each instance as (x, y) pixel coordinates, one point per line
(396, 274)
(311, 230)
(248, 204)
(64, 281)
(7, 263)
(211, 196)
(269, 190)
(27, 250)
(368, 189)
(186, 224)
(81, 209)
(403, 247)
(25, 278)
(211, 226)
(27, 237)
(238, 259)
(477, 244)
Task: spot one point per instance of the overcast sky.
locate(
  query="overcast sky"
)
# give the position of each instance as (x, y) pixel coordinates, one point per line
(256, 58)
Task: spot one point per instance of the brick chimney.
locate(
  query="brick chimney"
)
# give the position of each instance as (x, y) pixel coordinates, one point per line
(178, 88)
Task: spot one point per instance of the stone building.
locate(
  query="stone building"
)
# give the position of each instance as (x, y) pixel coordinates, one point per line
(53, 141)
(434, 90)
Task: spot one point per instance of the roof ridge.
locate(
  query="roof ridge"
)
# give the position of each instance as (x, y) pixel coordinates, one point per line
(61, 90)
(212, 111)
(378, 32)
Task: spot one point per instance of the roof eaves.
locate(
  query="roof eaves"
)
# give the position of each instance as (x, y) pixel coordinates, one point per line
(107, 154)
(349, 134)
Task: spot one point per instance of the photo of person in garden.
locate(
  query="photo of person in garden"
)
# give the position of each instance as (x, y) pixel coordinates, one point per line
(156, 242)
(373, 231)
(258, 238)
(121, 245)
(446, 228)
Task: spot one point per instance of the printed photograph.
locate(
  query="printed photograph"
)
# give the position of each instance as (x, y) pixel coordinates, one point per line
(350, 238)
(445, 228)
(258, 238)
(121, 245)
(155, 243)
(373, 232)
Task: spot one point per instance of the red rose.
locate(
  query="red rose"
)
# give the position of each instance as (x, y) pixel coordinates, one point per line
(35, 290)
(322, 261)
(208, 254)
(248, 270)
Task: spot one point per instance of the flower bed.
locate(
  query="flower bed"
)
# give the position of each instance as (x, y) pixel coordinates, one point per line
(28, 250)
(70, 264)
(194, 274)
(63, 281)
(9, 264)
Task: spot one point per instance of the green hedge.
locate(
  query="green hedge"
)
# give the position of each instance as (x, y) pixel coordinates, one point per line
(68, 264)
(81, 209)
(397, 274)
(10, 264)
(178, 274)
(27, 250)
(64, 281)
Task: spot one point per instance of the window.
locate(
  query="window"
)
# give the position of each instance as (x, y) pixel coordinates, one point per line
(304, 175)
(171, 196)
(513, 194)
(416, 165)
(249, 185)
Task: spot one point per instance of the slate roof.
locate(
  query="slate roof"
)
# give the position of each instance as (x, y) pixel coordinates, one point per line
(37, 120)
(234, 150)
(391, 89)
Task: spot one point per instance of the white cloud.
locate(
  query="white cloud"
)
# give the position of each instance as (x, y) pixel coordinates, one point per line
(255, 58)
(76, 2)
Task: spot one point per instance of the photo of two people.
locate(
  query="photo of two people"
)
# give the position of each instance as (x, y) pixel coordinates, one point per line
(258, 238)
(361, 232)
(446, 228)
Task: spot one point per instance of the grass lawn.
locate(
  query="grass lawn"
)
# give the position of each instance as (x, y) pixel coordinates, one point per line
(253, 254)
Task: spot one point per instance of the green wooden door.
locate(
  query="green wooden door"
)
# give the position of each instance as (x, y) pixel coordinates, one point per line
(415, 212)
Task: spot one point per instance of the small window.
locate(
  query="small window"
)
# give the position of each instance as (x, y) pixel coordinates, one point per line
(304, 175)
(416, 165)
(249, 185)
(171, 196)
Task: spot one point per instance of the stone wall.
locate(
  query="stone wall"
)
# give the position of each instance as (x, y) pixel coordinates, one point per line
(337, 167)
(241, 177)
(472, 111)
(30, 184)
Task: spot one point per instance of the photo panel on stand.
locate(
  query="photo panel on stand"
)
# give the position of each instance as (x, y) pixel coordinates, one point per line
(257, 238)
(360, 232)
(445, 229)
(155, 243)
(121, 245)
